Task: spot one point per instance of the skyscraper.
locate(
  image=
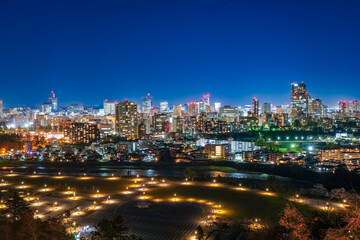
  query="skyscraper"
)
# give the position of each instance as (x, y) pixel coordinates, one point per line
(299, 104)
(193, 109)
(344, 107)
(255, 107)
(266, 108)
(164, 107)
(177, 111)
(217, 106)
(355, 106)
(147, 103)
(109, 107)
(54, 101)
(126, 119)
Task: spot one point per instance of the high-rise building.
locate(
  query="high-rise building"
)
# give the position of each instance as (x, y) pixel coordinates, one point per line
(217, 106)
(266, 108)
(202, 106)
(46, 108)
(177, 111)
(126, 119)
(54, 101)
(255, 107)
(82, 132)
(109, 107)
(354, 106)
(164, 107)
(278, 110)
(299, 101)
(344, 107)
(147, 103)
(193, 109)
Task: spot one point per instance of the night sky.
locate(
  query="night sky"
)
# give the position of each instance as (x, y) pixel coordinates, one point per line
(87, 51)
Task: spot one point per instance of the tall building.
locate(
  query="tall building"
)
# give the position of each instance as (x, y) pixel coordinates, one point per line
(266, 107)
(255, 107)
(217, 106)
(193, 109)
(126, 119)
(278, 110)
(109, 107)
(147, 103)
(354, 106)
(54, 101)
(299, 104)
(177, 111)
(82, 132)
(164, 107)
(344, 107)
(46, 108)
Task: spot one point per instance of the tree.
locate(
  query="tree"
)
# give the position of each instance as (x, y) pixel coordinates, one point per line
(294, 223)
(16, 206)
(199, 233)
(111, 229)
(190, 173)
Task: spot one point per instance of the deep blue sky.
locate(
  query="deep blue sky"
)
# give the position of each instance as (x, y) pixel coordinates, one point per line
(87, 51)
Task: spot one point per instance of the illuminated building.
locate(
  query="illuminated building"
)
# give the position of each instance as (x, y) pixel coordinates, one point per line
(354, 106)
(82, 132)
(217, 106)
(266, 108)
(28, 147)
(46, 108)
(109, 107)
(164, 107)
(255, 107)
(75, 108)
(178, 125)
(228, 114)
(54, 101)
(344, 107)
(215, 151)
(147, 103)
(126, 119)
(278, 110)
(176, 111)
(158, 120)
(193, 109)
(202, 106)
(299, 101)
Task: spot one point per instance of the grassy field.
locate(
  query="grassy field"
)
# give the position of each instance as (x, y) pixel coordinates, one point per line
(235, 203)
(80, 184)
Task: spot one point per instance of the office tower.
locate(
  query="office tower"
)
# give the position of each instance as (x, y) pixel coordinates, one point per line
(217, 106)
(126, 119)
(193, 109)
(344, 107)
(46, 108)
(54, 101)
(206, 99)
(299, 104)
(202, 106)
(82, 132)
(109, 107)
(177, 111)
(318, 108)
(164, 107)
(354, 106)
(75, 108)
(255, 107)
(266, 108)
(147, 104)
(278, 110)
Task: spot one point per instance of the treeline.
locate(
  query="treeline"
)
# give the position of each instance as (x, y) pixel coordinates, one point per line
(11, 141)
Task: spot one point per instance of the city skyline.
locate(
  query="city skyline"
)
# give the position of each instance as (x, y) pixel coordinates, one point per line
(234, 51)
